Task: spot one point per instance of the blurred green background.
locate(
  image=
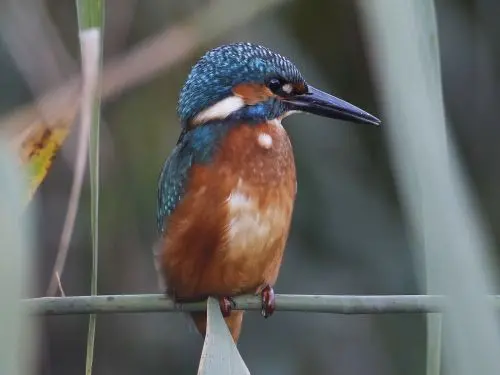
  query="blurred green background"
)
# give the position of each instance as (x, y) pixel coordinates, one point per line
(347, 235)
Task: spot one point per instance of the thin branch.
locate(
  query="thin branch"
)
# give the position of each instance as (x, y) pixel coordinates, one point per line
(59, 286)
(284, 302)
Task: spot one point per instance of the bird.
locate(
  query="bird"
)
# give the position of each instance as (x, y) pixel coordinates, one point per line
(227, 190)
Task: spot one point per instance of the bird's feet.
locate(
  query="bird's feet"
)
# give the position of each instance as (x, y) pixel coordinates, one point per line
(226, 306)
(268, 301)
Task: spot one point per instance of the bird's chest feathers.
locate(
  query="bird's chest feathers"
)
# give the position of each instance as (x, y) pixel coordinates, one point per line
(262, 193)
(261, 155)
(255, 222)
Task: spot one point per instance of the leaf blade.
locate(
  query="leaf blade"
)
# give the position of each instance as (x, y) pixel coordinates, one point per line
(90, 23)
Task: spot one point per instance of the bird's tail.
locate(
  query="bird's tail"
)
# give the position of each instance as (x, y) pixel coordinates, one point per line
(233, 322)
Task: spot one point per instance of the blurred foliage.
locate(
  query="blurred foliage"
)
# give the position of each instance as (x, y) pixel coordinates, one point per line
(347, 234)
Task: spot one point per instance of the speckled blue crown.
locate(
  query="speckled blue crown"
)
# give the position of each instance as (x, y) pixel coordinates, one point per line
(221, 68)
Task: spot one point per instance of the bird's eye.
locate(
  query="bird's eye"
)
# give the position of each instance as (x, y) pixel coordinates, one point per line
(274, 85)
(280, 87)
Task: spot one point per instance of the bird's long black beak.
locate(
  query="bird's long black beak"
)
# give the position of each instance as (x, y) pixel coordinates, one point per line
(320, 103)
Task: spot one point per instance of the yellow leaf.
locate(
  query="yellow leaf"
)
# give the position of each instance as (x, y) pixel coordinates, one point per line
(36, 132)
(38, 150)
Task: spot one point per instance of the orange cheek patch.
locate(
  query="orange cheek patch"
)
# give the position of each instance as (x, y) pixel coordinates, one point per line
(299, 88)
(252, 93)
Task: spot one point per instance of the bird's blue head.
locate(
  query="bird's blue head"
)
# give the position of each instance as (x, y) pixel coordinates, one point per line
(250, 83)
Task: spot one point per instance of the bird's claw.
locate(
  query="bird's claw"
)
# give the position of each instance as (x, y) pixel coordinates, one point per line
(268, 302)
(226, 304)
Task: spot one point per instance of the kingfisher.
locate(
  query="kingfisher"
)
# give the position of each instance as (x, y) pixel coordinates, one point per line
(226, 192)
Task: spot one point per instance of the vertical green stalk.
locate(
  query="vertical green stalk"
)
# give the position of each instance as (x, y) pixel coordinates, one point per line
(17, 327)
(91, 16)
(442, 213)
(434, 333)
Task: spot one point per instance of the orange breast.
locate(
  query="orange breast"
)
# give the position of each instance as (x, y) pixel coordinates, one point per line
(227, 235)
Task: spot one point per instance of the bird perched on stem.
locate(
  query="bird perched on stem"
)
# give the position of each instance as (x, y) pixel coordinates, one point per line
(227, 191)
